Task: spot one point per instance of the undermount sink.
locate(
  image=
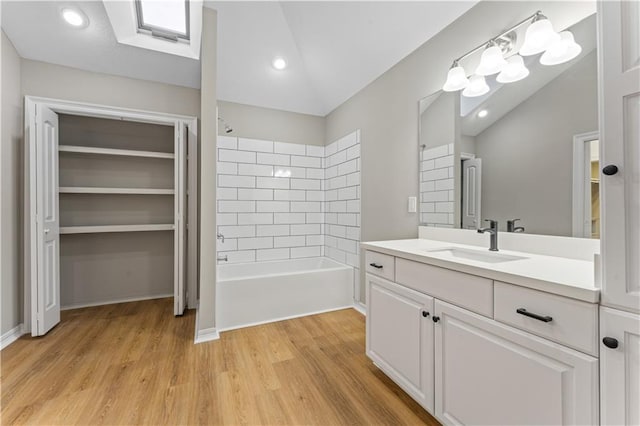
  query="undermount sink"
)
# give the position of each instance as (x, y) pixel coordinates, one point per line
(477, 255)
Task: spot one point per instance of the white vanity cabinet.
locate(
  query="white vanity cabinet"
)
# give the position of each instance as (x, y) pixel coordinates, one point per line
(400, 336)
(490, 373)
(455, 342)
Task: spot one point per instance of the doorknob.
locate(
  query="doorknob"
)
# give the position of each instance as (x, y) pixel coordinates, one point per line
(610, 170)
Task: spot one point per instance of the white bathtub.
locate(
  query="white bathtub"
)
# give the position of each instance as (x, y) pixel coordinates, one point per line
(254, 293)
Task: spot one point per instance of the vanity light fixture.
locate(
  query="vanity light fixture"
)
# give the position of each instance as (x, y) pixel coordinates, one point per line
(539, 37)
(477, 87)
(74, 17)
(456, 78)
(562, 50)
(279, 63)
(482, 113)
(515, 70)
(491, 61)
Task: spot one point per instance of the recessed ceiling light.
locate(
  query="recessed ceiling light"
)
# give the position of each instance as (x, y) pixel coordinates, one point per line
(279, 63)
(74, 17)
(482, 113)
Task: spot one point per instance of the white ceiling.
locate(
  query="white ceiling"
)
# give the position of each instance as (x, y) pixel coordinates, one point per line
(334, 49)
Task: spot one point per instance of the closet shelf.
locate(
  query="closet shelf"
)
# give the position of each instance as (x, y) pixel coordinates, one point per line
(94, 190)
(115, 228)
(115, 152)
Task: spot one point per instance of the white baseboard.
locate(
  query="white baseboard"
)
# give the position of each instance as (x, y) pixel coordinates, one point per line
(206, 335)
(11, 336)
(360, 308)
(113, 302)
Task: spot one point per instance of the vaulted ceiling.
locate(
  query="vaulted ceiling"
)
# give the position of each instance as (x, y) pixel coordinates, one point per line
(333, 49)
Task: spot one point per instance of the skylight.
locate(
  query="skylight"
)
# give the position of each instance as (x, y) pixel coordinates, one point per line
(164, 18)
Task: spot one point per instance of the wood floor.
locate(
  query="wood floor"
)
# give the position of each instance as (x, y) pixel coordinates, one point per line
(136, 363)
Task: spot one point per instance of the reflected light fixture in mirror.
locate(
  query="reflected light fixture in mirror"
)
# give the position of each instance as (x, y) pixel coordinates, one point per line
(515, 70)
(562, 50)
(539, 36)
(477, 87)
(491, 61)
(456, 78)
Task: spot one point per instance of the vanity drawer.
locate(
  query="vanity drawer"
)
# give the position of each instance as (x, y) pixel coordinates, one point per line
(567, 321)
(464, 290)
(382, 265)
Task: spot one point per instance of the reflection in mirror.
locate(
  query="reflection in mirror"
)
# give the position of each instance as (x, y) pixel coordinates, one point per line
(524, 154)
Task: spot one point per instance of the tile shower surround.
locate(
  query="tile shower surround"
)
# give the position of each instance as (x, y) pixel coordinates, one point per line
(284, 201)
(436, 186)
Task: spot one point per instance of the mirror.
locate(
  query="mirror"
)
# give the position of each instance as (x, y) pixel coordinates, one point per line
(525, 150)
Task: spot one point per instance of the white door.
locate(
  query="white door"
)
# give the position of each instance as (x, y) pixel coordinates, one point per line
(45, 282)
(471, 193)
(488, 373)
(400, 336)
(620, 148)
(180, 234)
(619, 367)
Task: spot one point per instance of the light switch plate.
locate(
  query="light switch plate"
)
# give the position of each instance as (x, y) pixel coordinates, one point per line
(412, 204)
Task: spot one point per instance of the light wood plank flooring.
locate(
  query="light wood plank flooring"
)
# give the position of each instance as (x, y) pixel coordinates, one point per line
(136, 363)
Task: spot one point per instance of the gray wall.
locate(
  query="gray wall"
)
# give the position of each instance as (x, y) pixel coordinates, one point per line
(527, 155)
(59, 82)
(271, 124)
(11, 194)
(386, 110)
(207, 176)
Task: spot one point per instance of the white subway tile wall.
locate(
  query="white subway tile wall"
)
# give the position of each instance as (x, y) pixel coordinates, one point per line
(280, 200)
(436, 186)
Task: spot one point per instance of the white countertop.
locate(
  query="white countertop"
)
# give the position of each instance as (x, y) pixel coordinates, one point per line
(566, 277)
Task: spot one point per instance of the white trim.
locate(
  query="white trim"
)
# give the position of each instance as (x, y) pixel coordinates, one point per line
(115, 228)
(113, 302)
(88, 150)
(466, 156)
(360, 307)
(306, 314)
(11, 336)
(581, 211)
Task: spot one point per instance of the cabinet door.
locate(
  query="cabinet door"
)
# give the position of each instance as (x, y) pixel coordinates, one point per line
(400, 336)
(490, 373)
(620, 367)
(619, 52)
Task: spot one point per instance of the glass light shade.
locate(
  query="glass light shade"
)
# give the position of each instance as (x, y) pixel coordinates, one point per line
(514, 71)
(456, 79)
(562, 50)
(491, 61)
(477, 87)
(539, 36)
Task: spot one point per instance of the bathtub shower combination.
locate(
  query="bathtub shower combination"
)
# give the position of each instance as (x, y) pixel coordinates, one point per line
(259, 292)
(288, 229)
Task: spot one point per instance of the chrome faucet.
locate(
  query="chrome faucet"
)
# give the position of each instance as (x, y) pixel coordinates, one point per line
(511, 226)
(224, 258)
(493, 231)
(220, 237)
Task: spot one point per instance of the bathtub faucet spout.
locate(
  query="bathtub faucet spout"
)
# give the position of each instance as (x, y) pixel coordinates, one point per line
(222, 258)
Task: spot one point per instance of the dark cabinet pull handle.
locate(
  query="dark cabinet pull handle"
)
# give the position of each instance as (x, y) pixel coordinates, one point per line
(425, 314)
(435, 319)
(375, 265)
(523, 311)
(610, 342)
(610, 170)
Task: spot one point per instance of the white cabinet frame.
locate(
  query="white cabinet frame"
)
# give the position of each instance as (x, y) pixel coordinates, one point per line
(185, 127)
